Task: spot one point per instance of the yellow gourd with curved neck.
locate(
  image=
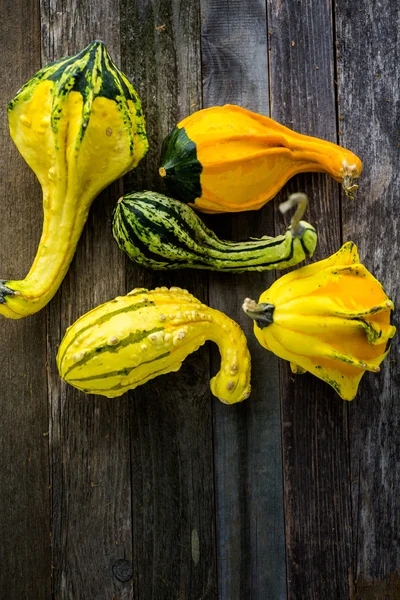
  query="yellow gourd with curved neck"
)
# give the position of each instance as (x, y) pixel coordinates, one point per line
(78, 124)
(132, 339)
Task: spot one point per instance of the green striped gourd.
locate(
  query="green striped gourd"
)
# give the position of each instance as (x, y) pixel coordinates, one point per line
(162, 233)
(78, 124)
(132, 339)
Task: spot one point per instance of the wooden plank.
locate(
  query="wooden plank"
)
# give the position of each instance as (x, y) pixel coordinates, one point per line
(315, 436)
(171, 421)
(89, 435)
(25, 511)
(369, 93)
(247, 438)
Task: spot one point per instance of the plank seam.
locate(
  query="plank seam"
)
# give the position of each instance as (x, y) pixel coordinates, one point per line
(280, 379)
(341, 224)
(48, 377)
(210, 397)
(336, 93)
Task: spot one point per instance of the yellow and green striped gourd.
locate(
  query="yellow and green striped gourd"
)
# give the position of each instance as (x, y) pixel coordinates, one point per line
(162, 233)
(79, 125)
(134, 338)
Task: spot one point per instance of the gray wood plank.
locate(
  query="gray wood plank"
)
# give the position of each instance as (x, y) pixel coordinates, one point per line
(171, 419)
(24, 479)
(247, 438)
(369, 95)
(89, 435)
(315, 435)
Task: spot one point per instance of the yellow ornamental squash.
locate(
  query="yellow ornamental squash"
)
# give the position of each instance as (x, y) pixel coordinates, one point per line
(331, 318)
(78, 123)
(228, 159)
(132, 339)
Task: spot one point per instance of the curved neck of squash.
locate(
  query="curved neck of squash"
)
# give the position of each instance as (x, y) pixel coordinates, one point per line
(316, 155)
(64, 217)
(232, 382)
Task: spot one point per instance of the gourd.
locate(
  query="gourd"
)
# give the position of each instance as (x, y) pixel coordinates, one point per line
(163, 233)
(331, 318)
(134, 338)
(229, 159)
(78, 123)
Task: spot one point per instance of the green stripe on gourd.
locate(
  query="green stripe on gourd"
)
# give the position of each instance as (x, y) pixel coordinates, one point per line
(133, 338)
(107, 316)
(162, 233)
(78, 124)
(120, 372)
(93, 74)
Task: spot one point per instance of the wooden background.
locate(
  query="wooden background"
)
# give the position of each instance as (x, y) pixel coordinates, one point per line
(165, 493)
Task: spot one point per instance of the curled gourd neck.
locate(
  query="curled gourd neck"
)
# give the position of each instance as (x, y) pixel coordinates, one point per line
(232, 382)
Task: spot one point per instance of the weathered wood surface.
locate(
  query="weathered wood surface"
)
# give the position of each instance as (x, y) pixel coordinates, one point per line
(314, 422)
(370, 123)
(25, 559)
(247, 438)
(89, 440)
(171, 420)
(165, 493)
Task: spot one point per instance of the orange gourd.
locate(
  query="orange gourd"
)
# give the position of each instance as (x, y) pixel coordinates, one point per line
(228, 159)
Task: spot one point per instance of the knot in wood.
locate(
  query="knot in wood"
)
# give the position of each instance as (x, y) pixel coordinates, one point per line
(123, 570)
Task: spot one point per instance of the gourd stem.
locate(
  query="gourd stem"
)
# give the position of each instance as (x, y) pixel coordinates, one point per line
(261, 313)
(5, 291)
(299, 200)
(349, 187)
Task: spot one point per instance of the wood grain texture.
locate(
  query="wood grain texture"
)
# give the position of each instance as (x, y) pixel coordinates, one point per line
(247, 438)
(369, 121)
(165, 493)
(172, 464)
(315, 435)
(25, 511)
(89, 435)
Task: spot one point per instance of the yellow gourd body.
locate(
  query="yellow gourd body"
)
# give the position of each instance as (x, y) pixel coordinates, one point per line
(331, 318)
(78, 124)
(229, 159)
(132, 339)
